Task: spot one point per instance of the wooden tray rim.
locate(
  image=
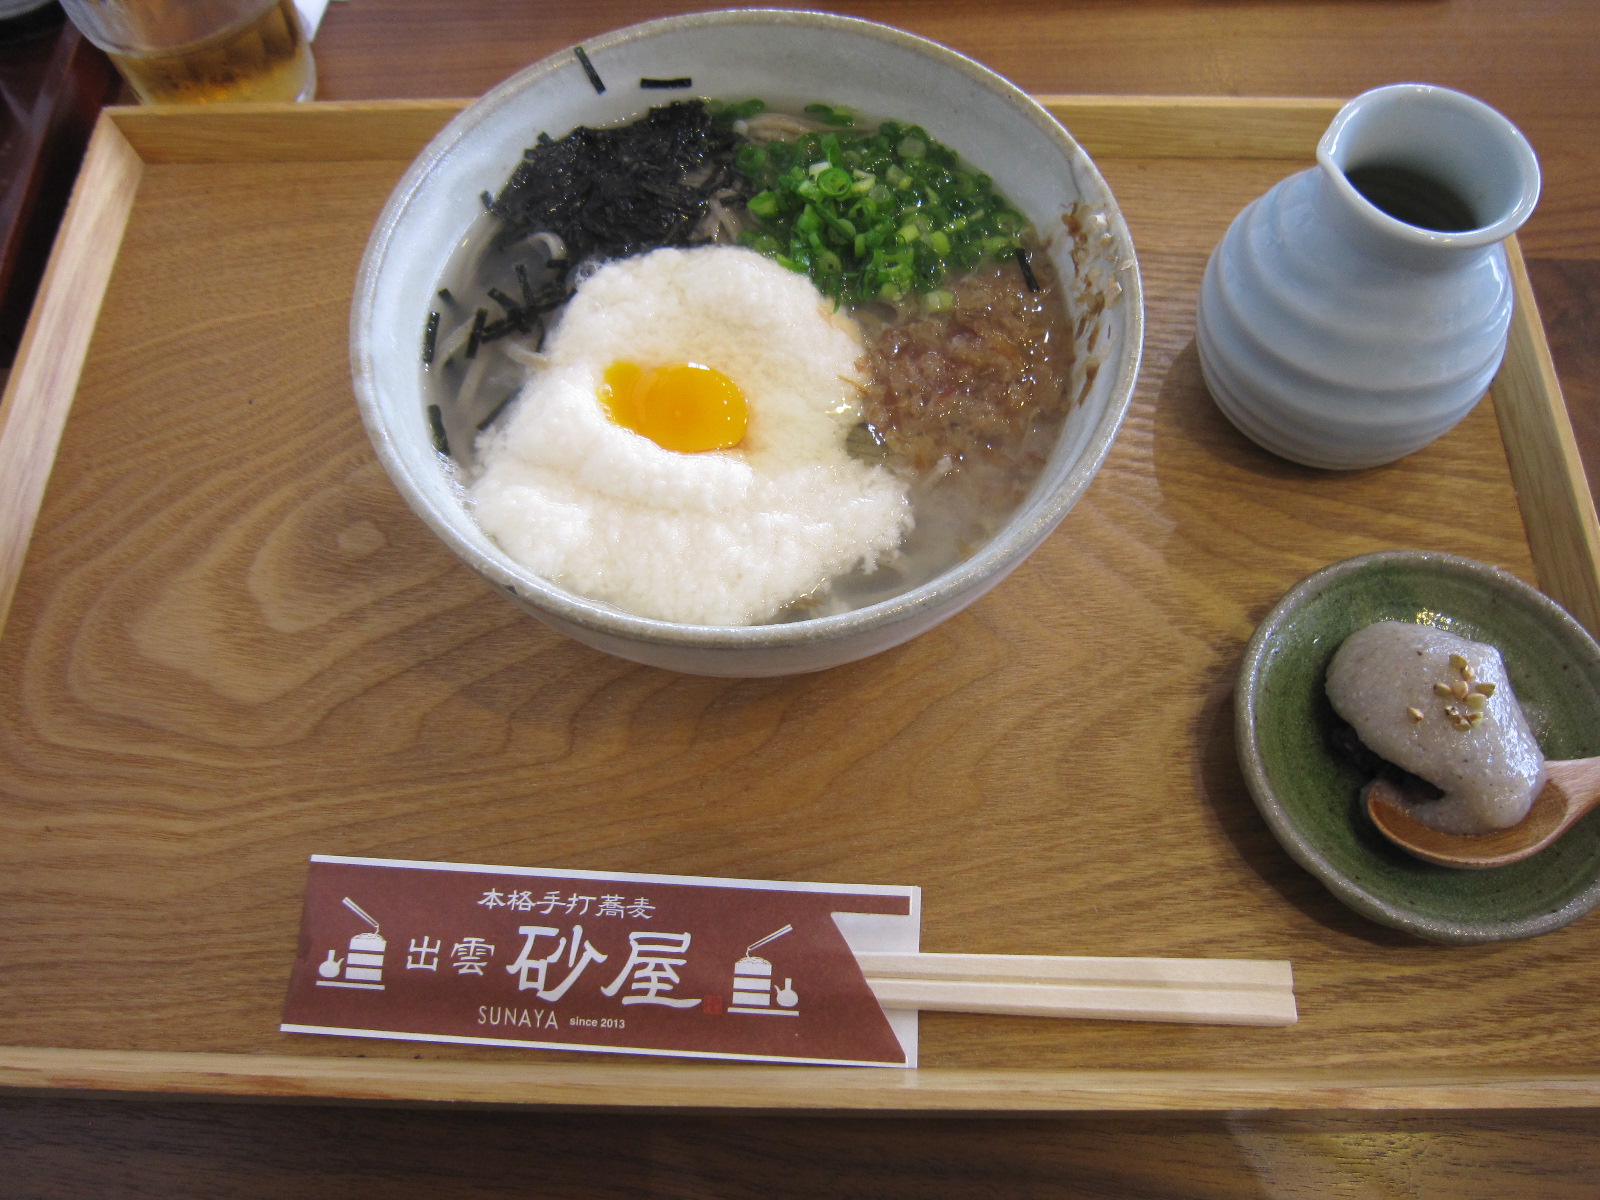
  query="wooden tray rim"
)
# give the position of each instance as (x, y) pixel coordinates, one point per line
(1558, 514)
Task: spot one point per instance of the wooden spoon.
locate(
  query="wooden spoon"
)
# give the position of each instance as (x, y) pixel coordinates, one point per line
(1571, 789)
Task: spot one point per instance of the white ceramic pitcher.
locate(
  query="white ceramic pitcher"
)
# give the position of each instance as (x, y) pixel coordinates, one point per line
(1359, 309)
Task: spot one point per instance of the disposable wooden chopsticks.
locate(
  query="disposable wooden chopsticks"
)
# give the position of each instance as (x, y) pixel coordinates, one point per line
(1218, 991)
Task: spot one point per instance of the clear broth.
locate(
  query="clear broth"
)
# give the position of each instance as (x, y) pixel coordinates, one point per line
(472, 395)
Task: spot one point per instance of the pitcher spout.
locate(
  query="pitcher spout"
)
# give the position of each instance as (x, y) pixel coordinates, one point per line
(1428, 167)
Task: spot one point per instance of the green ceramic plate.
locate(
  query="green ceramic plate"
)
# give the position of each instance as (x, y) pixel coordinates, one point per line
(1309, 794)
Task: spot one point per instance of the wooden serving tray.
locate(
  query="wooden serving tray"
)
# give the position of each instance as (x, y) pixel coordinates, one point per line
(230, 646)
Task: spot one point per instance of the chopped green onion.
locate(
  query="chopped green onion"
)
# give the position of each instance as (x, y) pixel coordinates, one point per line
(831, 114)
(751, 159)
(762, 243)
(834, 182)
(764, 205)
(840, 225)
(874, 214)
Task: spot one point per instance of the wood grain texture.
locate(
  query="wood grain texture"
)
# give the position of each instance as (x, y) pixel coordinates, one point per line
(1230, 127)
(1546, 467)
(39, 392)
(1568, 292)
(58, 1148)
(412, 1076)
(55, 83)
(233, 647)
(330, 131)
(1532, 59)
(1220, 990)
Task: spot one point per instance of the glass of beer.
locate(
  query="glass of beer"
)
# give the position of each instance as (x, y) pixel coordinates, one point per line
(201, 51)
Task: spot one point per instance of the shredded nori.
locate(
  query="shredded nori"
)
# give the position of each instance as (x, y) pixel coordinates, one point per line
(606, 193)
(429, 336)
(436, 423)
(588, 69)
(476, 336)
(504, 301)
(1027, 270)
(623, 190)
(681, 81)
(528, 315)
(498, 409)
(519, 321)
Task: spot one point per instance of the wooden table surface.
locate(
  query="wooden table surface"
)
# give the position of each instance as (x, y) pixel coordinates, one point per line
(1537, 61)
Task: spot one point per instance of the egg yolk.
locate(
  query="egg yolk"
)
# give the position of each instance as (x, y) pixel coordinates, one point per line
(684, 407)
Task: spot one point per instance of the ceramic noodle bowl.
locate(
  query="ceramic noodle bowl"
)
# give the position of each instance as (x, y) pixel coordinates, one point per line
(789, 59)
(1359, 309)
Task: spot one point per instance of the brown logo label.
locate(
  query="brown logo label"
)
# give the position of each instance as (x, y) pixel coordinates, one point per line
(575, 960)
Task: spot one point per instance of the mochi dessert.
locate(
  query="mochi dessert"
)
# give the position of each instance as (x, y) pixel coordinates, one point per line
(1441, 707)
